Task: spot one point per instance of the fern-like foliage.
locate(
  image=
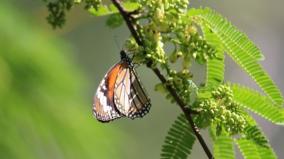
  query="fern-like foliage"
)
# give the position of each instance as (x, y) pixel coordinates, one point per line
(259, 104)
(222, 27)
(250, 150)
(179, 141)
(216, 66)
(253, 144)
(223, 147)
(253, 133)
(240, 48)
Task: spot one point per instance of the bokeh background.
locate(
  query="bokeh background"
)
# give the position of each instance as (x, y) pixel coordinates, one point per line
(48, 79)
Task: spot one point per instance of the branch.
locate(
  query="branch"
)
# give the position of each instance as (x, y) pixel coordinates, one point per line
(188, 112)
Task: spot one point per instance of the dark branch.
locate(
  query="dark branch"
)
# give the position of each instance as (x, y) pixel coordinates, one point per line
(128, 21)
(188, 112)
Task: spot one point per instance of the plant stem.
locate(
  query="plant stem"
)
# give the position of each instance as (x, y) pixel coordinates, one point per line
(187, 111)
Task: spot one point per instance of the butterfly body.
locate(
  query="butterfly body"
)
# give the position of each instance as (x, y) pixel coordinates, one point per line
(120, 93)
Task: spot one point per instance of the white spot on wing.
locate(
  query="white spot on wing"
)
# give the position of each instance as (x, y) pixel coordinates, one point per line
(103, 99)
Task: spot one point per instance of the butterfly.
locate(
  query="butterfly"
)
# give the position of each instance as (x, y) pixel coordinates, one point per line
(120, 93)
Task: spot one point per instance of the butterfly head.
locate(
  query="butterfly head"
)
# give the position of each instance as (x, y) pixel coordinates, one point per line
(125, 57)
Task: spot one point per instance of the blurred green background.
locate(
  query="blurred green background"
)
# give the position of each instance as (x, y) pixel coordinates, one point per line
(48, 79)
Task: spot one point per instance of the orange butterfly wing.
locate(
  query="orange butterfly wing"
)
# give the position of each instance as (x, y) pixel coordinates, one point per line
(104, 107)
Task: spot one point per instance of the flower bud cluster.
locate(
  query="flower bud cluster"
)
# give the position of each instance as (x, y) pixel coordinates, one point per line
(199, 49)
(163, 17)
(223, 111)
(167, 24)
(193, 46)
(155, 46)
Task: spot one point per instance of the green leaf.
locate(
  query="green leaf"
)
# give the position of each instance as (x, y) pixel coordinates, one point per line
(253, 133)
(258, 74)
(130, 6)
(253, 144)
(250, 150)
(240, 48)
(104, 10)
(179, 141)
(215, 66)
(101, 11)
(225, 29)
(223, 147)
(259, 104)
(114, 20)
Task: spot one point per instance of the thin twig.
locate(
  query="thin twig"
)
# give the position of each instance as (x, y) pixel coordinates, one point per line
(188, 112)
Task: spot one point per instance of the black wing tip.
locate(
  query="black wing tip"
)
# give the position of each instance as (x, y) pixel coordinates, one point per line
(141, 113)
